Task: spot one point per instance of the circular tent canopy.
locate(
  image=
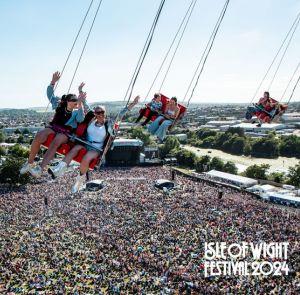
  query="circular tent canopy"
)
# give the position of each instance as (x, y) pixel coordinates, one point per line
(165, 184)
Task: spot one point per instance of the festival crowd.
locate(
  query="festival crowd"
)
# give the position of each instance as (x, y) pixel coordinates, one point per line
(131, 238)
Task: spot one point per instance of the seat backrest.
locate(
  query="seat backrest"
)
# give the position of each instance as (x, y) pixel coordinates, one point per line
(182, 108)
(164, 101)
(80, 130)
(273, 100)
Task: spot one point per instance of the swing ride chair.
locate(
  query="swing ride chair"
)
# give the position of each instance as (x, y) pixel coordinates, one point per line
(80, 130)
(273, 114)
(165, 100)
(66, 147)
(279, 108)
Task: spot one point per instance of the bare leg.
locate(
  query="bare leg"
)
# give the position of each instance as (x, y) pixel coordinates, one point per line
(85, 163)
(55, 144)
(39, 138)
(72, 153)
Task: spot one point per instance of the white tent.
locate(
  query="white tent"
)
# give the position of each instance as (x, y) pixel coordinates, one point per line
(232, 178)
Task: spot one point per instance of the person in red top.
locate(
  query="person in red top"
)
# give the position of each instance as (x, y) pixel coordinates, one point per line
(266, 105)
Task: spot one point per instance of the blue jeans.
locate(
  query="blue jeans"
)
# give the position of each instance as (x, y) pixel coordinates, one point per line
(160, 130)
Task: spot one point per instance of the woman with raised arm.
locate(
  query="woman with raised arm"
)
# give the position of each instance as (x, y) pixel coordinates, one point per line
(68, 113)
(96, 136)
(171, 113)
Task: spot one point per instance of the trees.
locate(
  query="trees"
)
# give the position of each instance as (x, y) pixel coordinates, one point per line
(2, 136)
(217, 164)
(290, 146)
(238, 145)
(204, 133)
(230, 167)
(234, 141)
(236, 130)
(139, 133)
(26, 131)
(186, 158)
(18, 151)
(294, 175)
(171, 143)
(9, 171)
(21, 139)
(208, 142)
(202, 164)
(265, 148)
(2, 151)
(257, 171)
(278, 177)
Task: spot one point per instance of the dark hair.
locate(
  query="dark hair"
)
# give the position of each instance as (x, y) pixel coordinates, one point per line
(65, 98)
(267, 92)
(174, 98)
(156, 95)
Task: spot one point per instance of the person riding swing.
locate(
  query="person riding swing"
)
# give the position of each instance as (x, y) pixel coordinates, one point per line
(68, 113)
(98, 131)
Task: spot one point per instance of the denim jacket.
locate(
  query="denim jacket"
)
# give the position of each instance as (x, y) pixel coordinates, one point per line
(77, 115)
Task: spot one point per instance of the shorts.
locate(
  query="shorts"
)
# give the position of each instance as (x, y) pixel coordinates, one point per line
(90, 148)
(60, 129)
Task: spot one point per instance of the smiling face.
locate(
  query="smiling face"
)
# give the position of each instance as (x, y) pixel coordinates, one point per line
(173, 101)
(99, 113)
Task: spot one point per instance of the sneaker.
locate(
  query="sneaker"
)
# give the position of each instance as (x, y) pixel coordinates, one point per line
(26, 167)
(80, 179)
(258, 125)
(36, 171)
(58, 170)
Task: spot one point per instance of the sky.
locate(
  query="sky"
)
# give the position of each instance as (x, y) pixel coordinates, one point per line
(36, 37)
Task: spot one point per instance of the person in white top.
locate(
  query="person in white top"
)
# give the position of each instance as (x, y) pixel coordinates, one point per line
(97, 135)
(96, 132)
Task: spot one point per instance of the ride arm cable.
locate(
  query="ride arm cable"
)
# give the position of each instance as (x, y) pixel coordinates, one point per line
(146, 50)
(139, 60)
(169, 49)
(283, 94)
(136, 72)
(202, 57)
(85, 43)
(209, 50)
(283, 55)
(275, 57)
(293, 91)
(179, 41)
(69, 55)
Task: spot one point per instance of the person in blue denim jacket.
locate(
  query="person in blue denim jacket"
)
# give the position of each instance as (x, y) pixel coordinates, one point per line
(98, 131)
(69, 112)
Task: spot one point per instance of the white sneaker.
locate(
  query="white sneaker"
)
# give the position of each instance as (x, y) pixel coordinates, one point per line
(26, 167)
(80, 179)
(36, 171)
(58, 170)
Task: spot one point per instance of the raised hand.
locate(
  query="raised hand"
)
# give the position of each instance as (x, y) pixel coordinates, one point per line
(82, 96)
(81, 86)
(136, 100)
(55, 77)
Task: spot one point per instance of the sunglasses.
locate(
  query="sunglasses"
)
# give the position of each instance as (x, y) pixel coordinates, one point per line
(99, 112)
(73, 100)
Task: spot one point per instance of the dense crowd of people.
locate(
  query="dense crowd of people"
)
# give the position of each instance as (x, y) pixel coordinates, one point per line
(132, 238)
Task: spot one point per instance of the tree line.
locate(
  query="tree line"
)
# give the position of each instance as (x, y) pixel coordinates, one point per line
(190, 160)
(234, 141)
